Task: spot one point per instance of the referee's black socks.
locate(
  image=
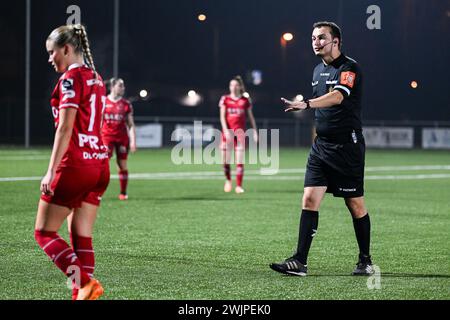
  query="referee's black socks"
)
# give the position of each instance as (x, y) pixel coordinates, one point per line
(362, 232)
(309, 221)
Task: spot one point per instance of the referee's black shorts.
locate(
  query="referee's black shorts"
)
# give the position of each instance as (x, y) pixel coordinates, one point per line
(337, 166)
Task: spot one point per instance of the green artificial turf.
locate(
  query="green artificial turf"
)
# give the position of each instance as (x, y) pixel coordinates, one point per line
(181, 237)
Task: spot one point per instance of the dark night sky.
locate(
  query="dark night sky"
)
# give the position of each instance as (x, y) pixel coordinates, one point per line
(162, 45)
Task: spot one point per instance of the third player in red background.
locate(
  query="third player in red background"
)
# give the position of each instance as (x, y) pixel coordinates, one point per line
(119, 130)
(234, 109)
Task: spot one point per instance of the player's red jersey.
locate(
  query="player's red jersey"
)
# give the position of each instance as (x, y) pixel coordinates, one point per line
(79, 89)
(236, 111)
(115, 118)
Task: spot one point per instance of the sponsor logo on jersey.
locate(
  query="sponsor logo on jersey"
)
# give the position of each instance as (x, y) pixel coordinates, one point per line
(55, 112)
(235, 111)
(67, 89)
(66, 85)
(113, 116)
(325, 74)
(95, 155)
(347, 189)
(88, 139)
(91, 82)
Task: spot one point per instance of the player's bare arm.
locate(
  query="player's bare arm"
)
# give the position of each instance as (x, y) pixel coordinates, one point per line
(252, 120)
(60, 145)
(223, 121)
(132, 130)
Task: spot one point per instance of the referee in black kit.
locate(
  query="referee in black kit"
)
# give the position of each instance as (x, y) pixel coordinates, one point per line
(336, 160)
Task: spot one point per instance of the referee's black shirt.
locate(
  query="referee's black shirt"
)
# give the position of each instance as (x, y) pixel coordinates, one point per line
(342, 74)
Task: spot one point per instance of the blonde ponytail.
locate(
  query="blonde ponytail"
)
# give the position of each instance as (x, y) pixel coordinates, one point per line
(76, 36)
(80, 30)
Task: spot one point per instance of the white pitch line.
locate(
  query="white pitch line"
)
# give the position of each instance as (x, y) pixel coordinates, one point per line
(10, 179)
(409, 168)
(23, 158)
(270, 178)
(285, 178)
(384, 168)
(256, 174)
(23, 152)
(410, 177)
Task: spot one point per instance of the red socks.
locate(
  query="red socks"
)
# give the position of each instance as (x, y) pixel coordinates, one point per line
(227, 171)
(61, 254)
(123, 179)
(239, 174)
(82, 246)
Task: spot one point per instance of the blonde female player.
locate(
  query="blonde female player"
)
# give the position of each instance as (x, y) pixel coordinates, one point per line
(234, 109)
(119, 131)
(78, 172)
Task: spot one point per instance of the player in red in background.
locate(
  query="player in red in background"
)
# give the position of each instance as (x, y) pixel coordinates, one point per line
(234, 109)
(78, 172)
(117, 122)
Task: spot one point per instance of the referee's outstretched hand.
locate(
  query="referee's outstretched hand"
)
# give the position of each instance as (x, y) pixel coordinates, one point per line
(293, 105)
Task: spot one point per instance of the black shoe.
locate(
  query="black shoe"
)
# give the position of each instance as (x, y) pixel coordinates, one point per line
(290, 266)
(364, 266)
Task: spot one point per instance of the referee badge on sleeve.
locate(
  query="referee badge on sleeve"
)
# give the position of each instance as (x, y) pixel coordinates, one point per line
(348, 78)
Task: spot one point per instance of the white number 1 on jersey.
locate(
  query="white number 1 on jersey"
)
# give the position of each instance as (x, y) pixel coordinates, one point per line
(92, 118)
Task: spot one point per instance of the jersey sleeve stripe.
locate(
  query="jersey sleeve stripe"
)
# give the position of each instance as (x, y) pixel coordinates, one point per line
(347, 90)
(68, 105)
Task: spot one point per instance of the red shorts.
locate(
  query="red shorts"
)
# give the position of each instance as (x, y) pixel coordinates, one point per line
(237, 141)
(121, 145)
(74, 185)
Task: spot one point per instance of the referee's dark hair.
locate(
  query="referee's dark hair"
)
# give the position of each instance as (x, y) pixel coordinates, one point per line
(335, 30)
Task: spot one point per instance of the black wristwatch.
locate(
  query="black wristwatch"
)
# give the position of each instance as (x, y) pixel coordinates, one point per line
(308, 106)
